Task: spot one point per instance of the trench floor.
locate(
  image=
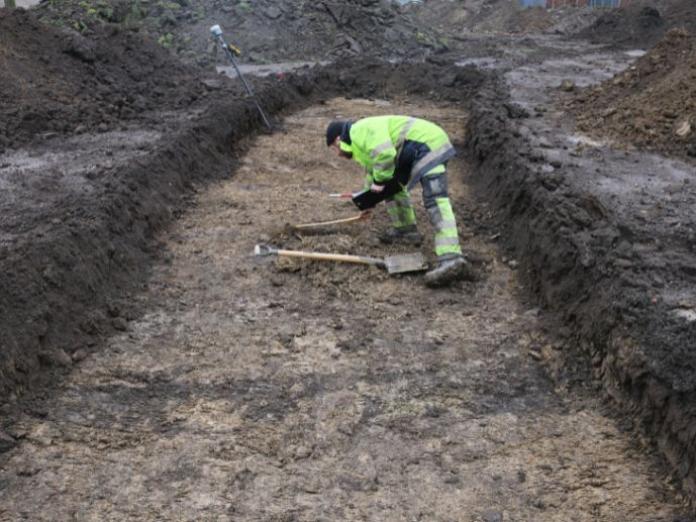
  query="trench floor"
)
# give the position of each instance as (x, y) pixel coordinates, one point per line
(285, 390)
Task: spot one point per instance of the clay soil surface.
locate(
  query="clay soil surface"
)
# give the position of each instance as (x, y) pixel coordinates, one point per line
(263, 389)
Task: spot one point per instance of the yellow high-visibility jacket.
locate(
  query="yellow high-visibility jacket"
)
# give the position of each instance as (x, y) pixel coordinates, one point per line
(376, 142)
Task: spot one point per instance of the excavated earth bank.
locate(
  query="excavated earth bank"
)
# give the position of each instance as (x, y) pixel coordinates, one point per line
(80, 210)
(606, 243)
(262, 389)
(263, 29)
(649, 106)
(78, 246)
(641, 24)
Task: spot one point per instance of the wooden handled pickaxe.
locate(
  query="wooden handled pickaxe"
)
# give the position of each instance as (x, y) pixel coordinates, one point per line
(322, 224)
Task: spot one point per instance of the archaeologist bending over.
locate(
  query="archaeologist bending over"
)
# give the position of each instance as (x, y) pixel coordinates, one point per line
(397, 153)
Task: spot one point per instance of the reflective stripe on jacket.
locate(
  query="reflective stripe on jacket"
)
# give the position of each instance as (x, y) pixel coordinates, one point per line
(376, 141)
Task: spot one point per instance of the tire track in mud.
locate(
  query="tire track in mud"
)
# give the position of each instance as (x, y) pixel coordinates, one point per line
(286, 390)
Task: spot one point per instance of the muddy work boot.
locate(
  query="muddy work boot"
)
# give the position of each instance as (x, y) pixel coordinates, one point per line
(447, 270)
(405, 235)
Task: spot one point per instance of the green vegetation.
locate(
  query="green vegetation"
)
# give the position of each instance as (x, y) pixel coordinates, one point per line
(171, 6)
(157, 17)
(244, 6)
(166, 40)
(135, 15)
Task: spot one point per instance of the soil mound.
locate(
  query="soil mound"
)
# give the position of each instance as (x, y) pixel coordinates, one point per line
(500, 16)
(641, 24)
(509, 17)
(633, 26)
(651, 105)
(57, 81)
(265, 30)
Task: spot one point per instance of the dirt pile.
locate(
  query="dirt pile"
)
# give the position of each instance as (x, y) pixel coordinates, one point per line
(641, 24)
(446, 16)
(633, 26)
(56, 81)
(652, 105)
(509, 17)
(266, 30)
(499, 16)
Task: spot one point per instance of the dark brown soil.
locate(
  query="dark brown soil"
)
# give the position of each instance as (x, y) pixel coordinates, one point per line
(82, 210)
(84, 207)
(56, 82)
(499, 16)
(265, 30)
(642, 23)
(257, 389)
(608, 247)
(652, 105)
(636, 25)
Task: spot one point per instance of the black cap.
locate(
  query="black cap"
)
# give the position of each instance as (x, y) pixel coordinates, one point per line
(338, 128)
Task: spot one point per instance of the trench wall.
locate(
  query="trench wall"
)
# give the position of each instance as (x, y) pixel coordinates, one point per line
(569, 246)
(74, 282)
(66, 288)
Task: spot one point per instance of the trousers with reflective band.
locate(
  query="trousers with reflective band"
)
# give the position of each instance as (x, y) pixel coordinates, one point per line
(377, 140)
(401, 210)
(439, 208)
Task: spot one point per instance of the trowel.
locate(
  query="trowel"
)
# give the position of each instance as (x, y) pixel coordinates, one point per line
(396, 264)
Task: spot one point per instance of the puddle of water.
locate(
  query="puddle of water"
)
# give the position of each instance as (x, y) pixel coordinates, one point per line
(266, 69)
(689, 315)
(484, 63)
(579, 139)
(59, 151)
(636, 53)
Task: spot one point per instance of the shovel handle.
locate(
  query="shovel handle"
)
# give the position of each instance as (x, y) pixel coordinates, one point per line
(344, 221)
(342, 258)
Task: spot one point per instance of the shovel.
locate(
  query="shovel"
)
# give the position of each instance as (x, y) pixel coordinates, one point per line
(397, 264)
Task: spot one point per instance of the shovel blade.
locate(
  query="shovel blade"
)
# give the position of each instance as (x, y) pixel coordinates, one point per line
(402, 263)
(264, 250)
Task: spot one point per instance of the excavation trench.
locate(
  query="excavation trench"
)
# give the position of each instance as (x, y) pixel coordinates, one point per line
(254, 389)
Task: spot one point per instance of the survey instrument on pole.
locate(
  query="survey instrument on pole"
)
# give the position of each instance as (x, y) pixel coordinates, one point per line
(231, 51)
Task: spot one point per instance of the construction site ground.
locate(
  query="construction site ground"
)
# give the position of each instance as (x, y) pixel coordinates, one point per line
(153, 368)
(255, 389)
